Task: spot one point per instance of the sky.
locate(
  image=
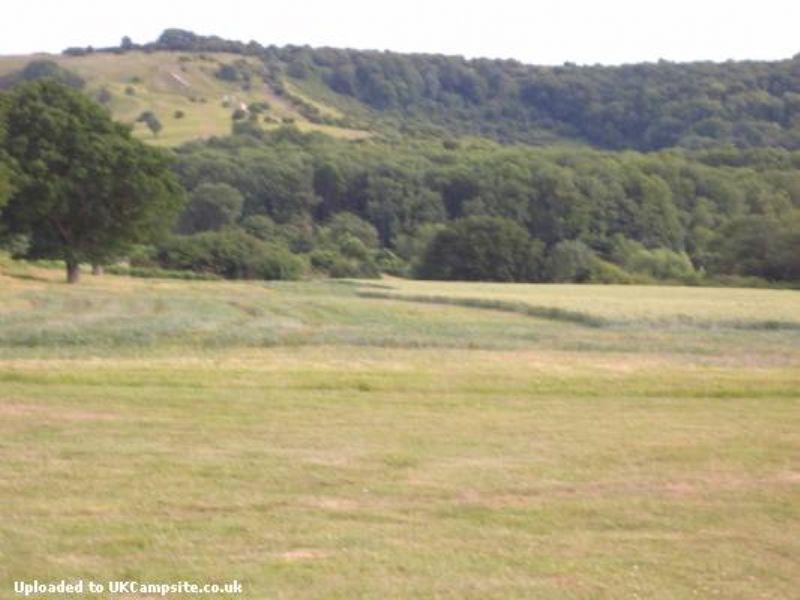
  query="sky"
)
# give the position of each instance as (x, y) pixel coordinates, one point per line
(533, 31)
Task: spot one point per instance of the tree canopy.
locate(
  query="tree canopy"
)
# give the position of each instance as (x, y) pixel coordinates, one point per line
(86, 190)
(668, 208)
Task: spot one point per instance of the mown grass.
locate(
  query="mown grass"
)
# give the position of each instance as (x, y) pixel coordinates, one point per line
(314, 443)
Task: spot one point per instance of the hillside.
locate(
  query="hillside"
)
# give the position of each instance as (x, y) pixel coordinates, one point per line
(167, 82)
(643, 106)
(683, 173)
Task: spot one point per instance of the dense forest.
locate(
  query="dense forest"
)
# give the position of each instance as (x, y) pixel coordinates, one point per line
(680, 172)
(665, 215)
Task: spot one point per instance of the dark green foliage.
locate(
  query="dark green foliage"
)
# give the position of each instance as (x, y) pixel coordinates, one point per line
(151, 120)
(570, 261)
(482, 249)
(407, 191)
(760, 246)
(642, 106)
(333, 263)
(227, 72)
(86, 189)
(647, 106)
(346, 248)
(43, 69)
(656, 263)
(260, 226)
(179, 114)
(211, 207)
(345, 224)
(229, 254)
(258, 108)
(6, 186)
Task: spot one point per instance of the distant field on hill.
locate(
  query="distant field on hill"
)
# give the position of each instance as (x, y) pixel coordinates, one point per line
(166, 82)
(316, 441)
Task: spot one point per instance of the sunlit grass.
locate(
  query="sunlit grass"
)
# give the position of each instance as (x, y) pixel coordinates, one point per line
(314, 443)
(628, 303)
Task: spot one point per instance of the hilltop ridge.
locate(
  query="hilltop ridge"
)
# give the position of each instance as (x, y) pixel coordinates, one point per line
(348, 93)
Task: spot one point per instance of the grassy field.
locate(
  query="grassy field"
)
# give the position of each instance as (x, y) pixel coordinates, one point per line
(166, 82)
(328, 440)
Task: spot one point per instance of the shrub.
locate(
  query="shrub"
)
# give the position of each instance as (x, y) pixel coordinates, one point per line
(259, 107)
(227, 73)
(230, 254)
(482, 249)
(333, 263)
(602, 271)
(388, 262)
(347, 224)
(570, 261)
(661, 263)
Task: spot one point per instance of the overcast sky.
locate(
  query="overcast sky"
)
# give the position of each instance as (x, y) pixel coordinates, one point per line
(541, 32)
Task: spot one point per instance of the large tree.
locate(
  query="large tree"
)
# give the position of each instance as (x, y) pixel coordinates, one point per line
(86, 189)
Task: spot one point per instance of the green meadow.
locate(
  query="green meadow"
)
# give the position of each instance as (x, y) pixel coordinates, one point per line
(396, 439)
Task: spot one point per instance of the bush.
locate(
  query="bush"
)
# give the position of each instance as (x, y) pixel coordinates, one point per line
(663, 264)
(570, 261)
(482, 249)
(347, 224)
(227, 73)
(258, 108)
(388, 262)
(230, 254)
(658, 263)
(602, 271)
(334, 264)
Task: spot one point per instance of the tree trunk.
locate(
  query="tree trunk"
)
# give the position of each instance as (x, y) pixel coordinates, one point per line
(73, 272)
(97, 270)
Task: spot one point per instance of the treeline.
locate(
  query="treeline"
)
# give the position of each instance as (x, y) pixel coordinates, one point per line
(278, 205)
(355, 209)
(643, 106)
